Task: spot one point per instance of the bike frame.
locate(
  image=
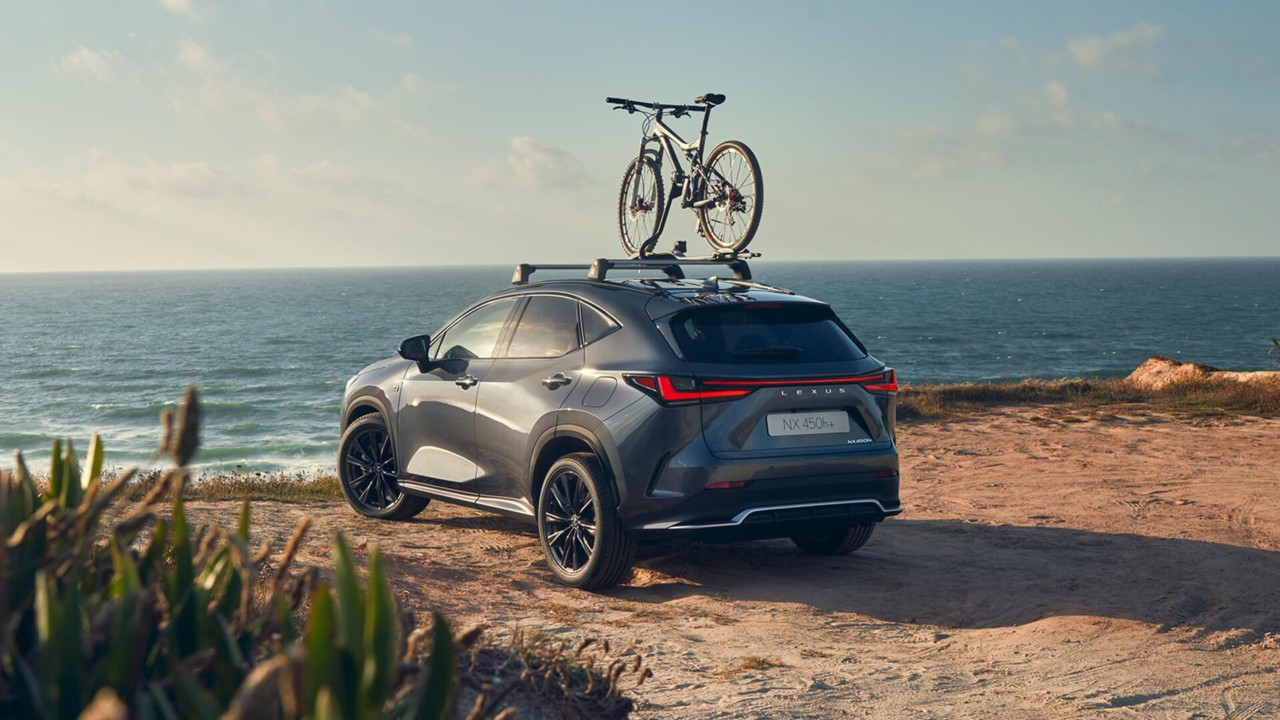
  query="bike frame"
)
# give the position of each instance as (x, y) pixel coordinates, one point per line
(658, 139)
(691, 186)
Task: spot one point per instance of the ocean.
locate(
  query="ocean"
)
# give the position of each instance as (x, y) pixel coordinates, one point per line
(271, 349)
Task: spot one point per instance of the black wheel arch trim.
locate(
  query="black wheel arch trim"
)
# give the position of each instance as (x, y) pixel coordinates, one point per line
(608, 461)
(372, 404)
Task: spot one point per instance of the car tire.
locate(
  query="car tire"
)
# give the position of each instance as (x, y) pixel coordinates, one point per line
(836, 541)
(578, 526)
(367, 472)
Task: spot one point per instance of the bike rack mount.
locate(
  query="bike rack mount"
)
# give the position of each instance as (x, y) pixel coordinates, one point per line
(668, 264)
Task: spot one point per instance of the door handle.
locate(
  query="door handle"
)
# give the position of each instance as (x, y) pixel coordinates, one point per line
(466, 381)
(556, 381)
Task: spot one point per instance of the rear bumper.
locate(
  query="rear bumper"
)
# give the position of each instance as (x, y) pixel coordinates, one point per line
(675, 493)
(850, 511)
(780, 499)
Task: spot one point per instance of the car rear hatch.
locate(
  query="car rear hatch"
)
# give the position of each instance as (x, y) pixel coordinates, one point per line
(779, 378)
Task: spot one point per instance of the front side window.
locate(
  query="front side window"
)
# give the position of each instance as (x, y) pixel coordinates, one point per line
(547, 328)
(764, 333)
(475, 335)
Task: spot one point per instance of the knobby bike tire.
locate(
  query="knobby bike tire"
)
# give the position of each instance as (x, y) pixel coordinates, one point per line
(731, 223)
(638, 227)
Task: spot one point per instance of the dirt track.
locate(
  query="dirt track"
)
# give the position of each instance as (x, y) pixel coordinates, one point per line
(1046, 566)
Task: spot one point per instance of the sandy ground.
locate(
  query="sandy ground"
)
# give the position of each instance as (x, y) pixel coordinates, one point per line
(1047, 565)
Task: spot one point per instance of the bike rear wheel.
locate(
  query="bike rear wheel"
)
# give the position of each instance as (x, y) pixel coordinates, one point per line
(641, 203)
(735, 183)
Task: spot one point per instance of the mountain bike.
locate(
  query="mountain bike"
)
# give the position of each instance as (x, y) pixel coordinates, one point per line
(726, 192)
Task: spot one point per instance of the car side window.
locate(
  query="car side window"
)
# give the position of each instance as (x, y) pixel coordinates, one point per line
(475, 335)
(547, 328)
(595, 324)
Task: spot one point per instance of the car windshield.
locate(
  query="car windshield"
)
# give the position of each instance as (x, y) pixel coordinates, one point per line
(764, 333)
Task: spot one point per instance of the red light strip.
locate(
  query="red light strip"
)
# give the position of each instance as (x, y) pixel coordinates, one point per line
(891, 386)
(668, 392)
(772, 383)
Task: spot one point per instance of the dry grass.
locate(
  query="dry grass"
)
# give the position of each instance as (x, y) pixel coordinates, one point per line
(541, 676)
(279, 487)
(1197, 398)
(753, 663)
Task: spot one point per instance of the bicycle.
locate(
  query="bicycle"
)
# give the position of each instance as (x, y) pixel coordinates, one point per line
(726, 192)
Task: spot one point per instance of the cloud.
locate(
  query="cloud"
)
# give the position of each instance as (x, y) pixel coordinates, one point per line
(184, 8)
(195, 57)
(209, 87)
(926, 152)
(986, 61)
(530, 164)
(1058, 95)
(1127, 50)
(1050, 113)
(145, 189)
(88, 64)
(148, 213)
(1254, 151)
(399, 41)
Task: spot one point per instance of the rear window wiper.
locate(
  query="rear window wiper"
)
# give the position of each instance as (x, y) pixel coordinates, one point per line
(771, 352)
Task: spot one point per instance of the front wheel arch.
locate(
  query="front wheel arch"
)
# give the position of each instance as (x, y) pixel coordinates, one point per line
(368, 463)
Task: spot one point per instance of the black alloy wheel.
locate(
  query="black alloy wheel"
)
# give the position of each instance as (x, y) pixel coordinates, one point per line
(582, 538)
(367, 472)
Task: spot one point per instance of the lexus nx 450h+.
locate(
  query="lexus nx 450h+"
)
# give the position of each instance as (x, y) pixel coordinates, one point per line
(611, 412)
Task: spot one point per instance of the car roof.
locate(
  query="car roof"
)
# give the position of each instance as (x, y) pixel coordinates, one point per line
(658, 294)
(655, 292)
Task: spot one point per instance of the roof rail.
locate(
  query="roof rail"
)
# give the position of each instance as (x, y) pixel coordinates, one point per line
(670, 264)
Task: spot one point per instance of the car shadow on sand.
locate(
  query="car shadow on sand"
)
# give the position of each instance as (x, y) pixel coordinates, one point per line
(964, 575)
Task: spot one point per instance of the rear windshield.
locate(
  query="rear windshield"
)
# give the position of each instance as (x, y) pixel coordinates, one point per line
(764, 333)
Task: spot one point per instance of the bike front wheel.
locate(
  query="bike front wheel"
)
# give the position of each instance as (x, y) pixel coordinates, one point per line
(641, 203)
(735, 186)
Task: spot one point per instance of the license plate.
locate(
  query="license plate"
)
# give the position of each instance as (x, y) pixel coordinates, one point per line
(812, 423)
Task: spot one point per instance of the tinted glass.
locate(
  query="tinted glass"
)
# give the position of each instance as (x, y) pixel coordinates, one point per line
(765, 333)
(595, 324)
(547, 328)
(475, 335)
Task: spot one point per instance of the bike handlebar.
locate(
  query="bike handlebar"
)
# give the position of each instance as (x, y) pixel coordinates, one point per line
(631, 105)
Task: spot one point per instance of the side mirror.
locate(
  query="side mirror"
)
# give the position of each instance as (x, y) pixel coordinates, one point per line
(416, 348)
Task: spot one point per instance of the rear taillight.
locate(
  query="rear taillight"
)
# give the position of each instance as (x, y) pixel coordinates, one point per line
(884, 381)
(675, 390)
(889, 384)
(670, 389)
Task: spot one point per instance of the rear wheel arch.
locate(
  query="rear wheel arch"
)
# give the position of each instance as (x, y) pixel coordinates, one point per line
(566, 440)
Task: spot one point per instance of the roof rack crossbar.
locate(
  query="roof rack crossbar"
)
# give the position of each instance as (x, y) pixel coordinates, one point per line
(671, 266)
(524, 270)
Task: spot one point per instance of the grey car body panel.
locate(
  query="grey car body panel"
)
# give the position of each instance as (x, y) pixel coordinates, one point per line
(661, 458)
(513, 408)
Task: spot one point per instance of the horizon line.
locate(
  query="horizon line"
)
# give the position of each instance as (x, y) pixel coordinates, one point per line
(762, 259)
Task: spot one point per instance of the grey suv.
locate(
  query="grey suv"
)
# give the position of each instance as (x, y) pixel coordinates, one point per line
(611, 412)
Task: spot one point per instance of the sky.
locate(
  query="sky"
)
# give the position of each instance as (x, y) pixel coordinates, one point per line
(181, 134)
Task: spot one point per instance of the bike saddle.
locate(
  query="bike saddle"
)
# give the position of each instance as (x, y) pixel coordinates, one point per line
(710, 99)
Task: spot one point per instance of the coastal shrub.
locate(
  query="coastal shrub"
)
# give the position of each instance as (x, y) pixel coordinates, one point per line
(1195, 397)
(277, 487)
(111, 608)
